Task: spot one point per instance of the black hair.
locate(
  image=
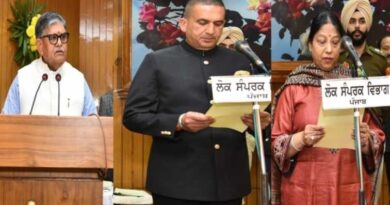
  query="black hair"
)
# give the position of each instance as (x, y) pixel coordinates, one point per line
(191, 3)
(321, 19)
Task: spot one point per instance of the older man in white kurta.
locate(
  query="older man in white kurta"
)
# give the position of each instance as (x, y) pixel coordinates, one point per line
(74, 96)
(50, 85)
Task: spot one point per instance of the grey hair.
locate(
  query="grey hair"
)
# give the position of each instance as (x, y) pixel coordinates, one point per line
(191, 3)
(48, 19)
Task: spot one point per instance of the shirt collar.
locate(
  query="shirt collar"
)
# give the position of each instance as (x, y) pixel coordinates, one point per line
(198, 52)
(45, 68)
(367, 50)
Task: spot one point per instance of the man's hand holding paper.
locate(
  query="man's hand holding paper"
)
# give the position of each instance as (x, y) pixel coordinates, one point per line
(194, 121)
(237, 116)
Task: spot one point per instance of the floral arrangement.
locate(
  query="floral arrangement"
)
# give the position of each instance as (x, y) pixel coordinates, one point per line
(30, 31)
(159, 22)
(256, 31)
(22, 28)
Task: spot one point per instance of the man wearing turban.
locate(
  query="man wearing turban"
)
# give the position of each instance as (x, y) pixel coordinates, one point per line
(229, 36)
(356, 18)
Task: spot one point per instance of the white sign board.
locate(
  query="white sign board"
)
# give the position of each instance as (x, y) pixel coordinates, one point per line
(355, 92)
(254, 88)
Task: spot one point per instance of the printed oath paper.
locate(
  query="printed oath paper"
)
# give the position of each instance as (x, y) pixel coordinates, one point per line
(338, 126)
(228, 115)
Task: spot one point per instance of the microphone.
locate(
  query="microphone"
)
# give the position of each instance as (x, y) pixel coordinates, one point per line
(347, 43)
(243, 47)
(58, 79)
(44, 78)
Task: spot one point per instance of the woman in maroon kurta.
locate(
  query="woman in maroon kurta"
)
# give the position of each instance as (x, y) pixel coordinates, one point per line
(313, 175)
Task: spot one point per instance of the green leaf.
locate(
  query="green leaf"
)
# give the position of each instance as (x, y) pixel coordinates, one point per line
(24, 47)
(23, 63)
(18, 55)
(20, 42)
(22, 12)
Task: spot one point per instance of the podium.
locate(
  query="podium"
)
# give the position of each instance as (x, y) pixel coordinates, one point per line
(46, 160)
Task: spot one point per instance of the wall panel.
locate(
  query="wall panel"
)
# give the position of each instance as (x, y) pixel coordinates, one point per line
(98, 43)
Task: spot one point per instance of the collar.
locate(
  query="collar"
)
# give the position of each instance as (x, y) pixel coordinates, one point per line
(44, 68)
(198, 52)
(368, 50)
(344, 56)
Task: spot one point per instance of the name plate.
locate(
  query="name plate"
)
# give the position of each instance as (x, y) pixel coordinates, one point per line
(355, 92)
(254, 88)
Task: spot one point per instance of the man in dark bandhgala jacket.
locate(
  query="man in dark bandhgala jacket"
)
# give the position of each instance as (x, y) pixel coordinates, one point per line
(190, 162)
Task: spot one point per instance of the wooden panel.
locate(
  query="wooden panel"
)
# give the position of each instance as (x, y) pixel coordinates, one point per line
(280, 71)
(98, 38)
(126, 45)
(48, 173)
(130, 164)
(44, 192)
(66, 142)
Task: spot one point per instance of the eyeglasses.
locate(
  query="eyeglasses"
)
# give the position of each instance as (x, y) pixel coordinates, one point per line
(53, 38)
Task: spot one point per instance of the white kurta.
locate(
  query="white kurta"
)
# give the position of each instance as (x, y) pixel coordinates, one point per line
(71, 87)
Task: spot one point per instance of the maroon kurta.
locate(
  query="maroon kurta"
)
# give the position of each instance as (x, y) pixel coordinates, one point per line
(321, 175)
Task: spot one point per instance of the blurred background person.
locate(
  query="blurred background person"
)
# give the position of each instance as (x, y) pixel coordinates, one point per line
(384, 46)
(315, 175)
(230, 35)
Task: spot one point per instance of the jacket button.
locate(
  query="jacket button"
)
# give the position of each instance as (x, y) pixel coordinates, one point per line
(217, 146)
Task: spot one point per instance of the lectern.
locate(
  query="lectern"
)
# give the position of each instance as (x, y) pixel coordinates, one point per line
(54, 160)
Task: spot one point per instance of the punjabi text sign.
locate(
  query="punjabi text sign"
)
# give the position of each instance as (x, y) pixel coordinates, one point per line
(254, 88)
(355, 92)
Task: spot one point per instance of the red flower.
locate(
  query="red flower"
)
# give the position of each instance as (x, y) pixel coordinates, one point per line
(168, 33)
(264, 22)
(163, 12)
(147, 14)
(264, 7)
(296, 6)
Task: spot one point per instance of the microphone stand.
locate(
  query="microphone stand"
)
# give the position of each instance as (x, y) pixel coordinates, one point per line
(358, 149)
(265, 187)
(347, 42)
(58, 79)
